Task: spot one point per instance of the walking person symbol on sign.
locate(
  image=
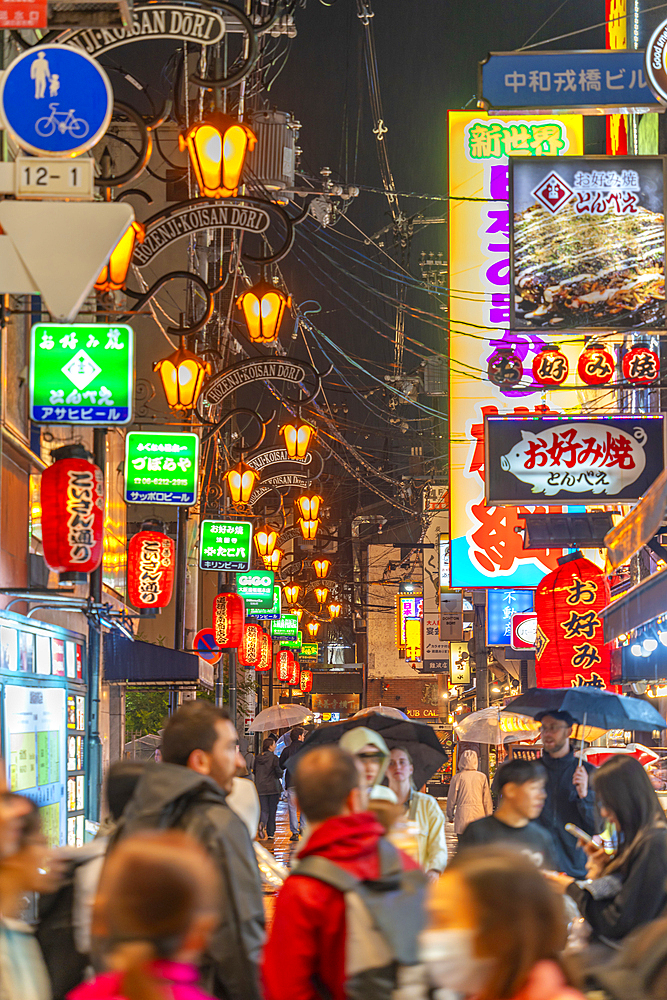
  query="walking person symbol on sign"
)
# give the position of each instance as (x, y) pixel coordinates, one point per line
(40, 73)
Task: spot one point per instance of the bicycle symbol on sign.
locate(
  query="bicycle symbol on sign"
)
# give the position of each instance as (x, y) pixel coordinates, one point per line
(64, 121)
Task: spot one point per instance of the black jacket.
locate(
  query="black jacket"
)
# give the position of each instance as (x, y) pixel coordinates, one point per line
(169, 796)
(562, 806)
(268, 773)
(640, 897)
(288, 752)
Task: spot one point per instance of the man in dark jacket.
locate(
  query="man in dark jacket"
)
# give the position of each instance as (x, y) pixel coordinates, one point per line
(268, 775)
(570, 797)
(187, 792)
(297, 736)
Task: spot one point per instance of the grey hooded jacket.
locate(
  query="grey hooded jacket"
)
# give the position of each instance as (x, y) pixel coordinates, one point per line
(169, 796)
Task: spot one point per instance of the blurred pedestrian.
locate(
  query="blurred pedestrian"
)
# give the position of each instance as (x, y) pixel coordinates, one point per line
(422, 809)
(372, 753)
(188, 791)
(496, 930)
(469, 796)
(157, 906)
(297, 736)
(570, 796)
(268, 775)
(628, 888)
(29, 868)
(520, 786)
(329, 933)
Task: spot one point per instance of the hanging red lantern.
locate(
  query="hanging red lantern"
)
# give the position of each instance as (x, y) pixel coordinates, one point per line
(72, 501)
(505, 368)
(294, 673)
(641, 365)
(306, 681)
(228, 620)
(266, 650)
(550, 367)
(284, 664)
(250, 650)
(570, 650)
(596, 365)
(151, 560)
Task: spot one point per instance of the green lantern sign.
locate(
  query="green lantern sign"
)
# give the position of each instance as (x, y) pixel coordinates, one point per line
(286, 627)
(256, 588)
(81, 373)
(161, 468)
(225, 545)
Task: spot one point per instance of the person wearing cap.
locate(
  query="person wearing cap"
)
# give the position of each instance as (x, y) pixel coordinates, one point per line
(570, 797)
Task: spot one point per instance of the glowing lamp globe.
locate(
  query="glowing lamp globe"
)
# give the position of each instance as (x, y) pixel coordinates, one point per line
(182, 375)
(309, 506)
(263, 307)
(335, 610)
(308, 528)
(313, 628)
(321, 594)
(265, 538)
(297, 438)
(291, 592)
(217, 148)
(114, 274)
(321, 567)
(241, 481)
(272, 562)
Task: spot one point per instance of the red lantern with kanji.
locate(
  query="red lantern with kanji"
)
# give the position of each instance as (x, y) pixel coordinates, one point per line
(595, 365)
(294, 673)
(306, 681)
(504, 368)
(284, 664)
(72, 501)
(151, 560)
(641, 365)
(250, 650)
(265, 655)
(569, 648)
(550, 367)
(228, 620)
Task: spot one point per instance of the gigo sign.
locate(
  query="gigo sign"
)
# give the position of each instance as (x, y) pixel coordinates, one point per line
(256, 588)
(161, 468)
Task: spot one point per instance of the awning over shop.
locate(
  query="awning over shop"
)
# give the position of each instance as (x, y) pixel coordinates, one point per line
(144, 663)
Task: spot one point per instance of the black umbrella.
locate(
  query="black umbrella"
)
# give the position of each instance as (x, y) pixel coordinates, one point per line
(418, 738)
(602, 709)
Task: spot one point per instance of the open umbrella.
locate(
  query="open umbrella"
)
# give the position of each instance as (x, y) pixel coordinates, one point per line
(499, 725)
(602, 709)
(388, 710)
(278, 717)
(418, 738)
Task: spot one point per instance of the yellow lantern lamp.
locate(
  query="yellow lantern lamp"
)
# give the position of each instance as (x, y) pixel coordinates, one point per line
(266, 539)
(241, 481)
(114, 274)
(297, 438)
(182, 375)
(291, 592)
(313, 628)
(263, 307)
(321, 594)
(308, 528)
(335, 610)
(273, 561)
(321, 567)
(217, 148)
(309, 506)
(298, 612)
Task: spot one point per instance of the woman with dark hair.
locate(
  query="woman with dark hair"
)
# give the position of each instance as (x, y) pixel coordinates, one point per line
(496, 930)
(421, 809)
(268, 774)
(625, 889)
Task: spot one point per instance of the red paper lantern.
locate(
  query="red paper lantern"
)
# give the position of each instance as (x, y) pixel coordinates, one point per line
(569, 649)
(596, 365)
(306, 681)
(284, 664)
(228, 620)
(266, 650)
(250, 650)
(641, 365)
(151, 560)
(72, 500)
(505, 368)
(550, 367)
(294, 673)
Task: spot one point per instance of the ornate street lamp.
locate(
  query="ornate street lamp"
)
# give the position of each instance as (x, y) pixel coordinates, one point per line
(321, 594)
(263, 307)
(114, 274)
(266, 539)
(321, 567)
(273, 561)
(313, 628)
(241, 481)
(335, 610)
(182, 375)
(298, 612)
(309, 506)
(291, 592)
(297, 438)
(217, 149)
(308, 528)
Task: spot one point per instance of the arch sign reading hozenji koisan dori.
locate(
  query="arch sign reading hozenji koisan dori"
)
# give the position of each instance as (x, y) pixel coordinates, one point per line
(250, 370)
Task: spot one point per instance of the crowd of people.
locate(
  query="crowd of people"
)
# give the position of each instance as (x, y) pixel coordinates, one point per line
(560, 889)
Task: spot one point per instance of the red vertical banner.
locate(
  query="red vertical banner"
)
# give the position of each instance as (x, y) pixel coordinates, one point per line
(616, 37)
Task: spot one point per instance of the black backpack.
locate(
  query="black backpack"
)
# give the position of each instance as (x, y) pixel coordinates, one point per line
(55, 933)
(384, 917)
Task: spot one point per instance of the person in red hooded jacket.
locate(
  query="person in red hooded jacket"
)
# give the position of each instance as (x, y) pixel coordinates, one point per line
(304, 957)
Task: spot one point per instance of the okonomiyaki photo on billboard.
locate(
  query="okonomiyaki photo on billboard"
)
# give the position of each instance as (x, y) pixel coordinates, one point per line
(588, 242)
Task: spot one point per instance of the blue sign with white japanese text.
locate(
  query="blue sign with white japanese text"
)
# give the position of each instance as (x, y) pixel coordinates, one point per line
(501, 605)
(598, 80)
(55, 100)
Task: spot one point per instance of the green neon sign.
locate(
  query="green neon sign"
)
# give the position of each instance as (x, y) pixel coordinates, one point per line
(225, 545)
(310, 650)
(292, 643)
(81, 373)
(286, 627)
(256, 588)
(272, 613)
(161, 468)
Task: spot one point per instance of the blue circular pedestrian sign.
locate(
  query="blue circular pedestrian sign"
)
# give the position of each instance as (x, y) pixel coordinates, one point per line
(55, 100)
(205, 646)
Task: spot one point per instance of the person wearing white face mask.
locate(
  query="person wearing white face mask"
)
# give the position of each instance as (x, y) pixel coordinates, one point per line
(496, 930)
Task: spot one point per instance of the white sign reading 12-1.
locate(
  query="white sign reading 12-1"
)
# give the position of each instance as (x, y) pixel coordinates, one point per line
(55, 100)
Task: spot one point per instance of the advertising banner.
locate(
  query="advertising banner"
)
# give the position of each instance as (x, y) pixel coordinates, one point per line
(576, 460)
(161, 468)
(588, 243)
(225, 545)
(486, 550)
(501, 607)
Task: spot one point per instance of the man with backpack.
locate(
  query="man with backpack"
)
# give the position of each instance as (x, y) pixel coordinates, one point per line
(349, 915)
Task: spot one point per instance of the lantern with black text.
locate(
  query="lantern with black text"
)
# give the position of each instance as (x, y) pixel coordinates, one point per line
(505, 368)
(228, 620)
(306, 681)
(321, 567)
(72, 500)
(550, 367)
(294, 673)
(284, 662)
(595, 365)
(250, 650)
(151, 560)
(569, 647)
(291, 592)
(265, 654)
(641, 365)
